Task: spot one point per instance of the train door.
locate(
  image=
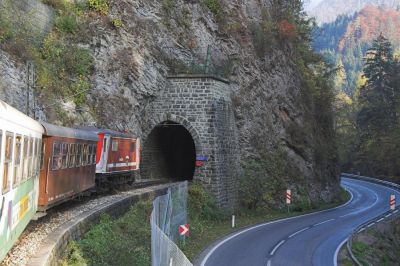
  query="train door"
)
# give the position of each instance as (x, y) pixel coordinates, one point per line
(101, 167)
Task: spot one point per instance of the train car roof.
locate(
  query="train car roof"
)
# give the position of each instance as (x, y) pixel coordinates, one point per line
(12, 115)
(65, 132)
(112, 133)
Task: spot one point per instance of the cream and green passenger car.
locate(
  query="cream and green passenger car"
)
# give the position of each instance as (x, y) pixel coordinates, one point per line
(20, 148)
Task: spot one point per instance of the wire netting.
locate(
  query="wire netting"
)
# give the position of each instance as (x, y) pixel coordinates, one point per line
(169, 212)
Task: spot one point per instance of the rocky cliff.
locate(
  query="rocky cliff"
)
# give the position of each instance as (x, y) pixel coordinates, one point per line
(136, 44)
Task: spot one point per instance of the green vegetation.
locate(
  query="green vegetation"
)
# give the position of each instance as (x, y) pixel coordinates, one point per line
(214, 6)
(379, 245)
(100, 6)
(368, 124)
(122, 241)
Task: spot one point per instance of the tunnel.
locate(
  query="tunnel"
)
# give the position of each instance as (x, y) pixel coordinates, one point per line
(169, 152)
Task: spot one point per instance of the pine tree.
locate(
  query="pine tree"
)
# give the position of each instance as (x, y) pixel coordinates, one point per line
(378, 61)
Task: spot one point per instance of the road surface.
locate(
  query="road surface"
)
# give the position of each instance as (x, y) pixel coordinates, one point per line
(307, 240)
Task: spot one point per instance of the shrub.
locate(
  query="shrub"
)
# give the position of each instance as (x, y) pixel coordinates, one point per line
(117, 23)
(201, 204)
(100, 6)
(68, 23)
(214, 6)
(263, 181)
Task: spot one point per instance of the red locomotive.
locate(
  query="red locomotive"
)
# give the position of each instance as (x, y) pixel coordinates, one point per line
(118, 157)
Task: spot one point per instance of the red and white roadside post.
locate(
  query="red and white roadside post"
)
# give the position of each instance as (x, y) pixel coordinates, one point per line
(184, 231)
(288, 198)
(392, 202)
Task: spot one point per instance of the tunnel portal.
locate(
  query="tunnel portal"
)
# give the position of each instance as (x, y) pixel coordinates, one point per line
(169, 152)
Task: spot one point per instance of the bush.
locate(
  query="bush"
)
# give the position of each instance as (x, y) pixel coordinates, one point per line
(263, 182)
(201, 204)
(68, 23)
(117, 23)
(214, 6)
(100, 6)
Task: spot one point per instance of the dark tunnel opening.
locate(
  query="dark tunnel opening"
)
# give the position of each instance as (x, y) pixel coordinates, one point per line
(169, 152)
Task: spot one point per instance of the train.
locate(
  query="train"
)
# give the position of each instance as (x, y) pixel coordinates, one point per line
(43, 165)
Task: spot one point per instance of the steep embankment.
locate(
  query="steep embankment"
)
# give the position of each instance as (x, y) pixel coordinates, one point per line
(135, 44)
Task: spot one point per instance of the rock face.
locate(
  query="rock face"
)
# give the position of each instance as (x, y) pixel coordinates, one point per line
(132, 63)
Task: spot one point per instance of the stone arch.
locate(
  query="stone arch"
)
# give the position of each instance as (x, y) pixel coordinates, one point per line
(170, 148)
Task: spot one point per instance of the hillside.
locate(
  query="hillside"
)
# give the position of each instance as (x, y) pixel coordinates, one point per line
(345, 41)
(105, 63)
(328, 10)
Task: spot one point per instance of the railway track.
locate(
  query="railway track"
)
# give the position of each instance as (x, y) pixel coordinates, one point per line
(31, 239)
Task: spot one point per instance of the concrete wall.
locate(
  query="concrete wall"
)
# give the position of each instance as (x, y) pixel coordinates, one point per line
(202, 104)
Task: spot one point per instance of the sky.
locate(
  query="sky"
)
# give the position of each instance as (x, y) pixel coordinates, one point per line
(311, 3)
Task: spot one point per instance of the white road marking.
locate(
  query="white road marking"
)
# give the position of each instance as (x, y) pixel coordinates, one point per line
(370, 225)
(380, 220)
(337, 251)
(269, 263)
(396, 211)
(361, 230)
(276, 247)
(298, 232)
(388, 215)
(324, 222)
(347, 215)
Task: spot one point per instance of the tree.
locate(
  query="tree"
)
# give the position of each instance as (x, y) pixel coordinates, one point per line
(378, 60)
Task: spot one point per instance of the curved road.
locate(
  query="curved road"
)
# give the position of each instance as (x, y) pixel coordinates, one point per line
(312, 239)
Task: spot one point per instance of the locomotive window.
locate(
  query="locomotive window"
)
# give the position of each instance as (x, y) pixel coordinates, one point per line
(114, 145)
(17, 160)
(25, 158)
(104, 145)
(71, 154)
(64, 155)
(7, 162)
(57, 156)
(132, 146)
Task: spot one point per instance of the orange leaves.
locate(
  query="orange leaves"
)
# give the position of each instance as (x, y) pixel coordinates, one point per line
(286, 29)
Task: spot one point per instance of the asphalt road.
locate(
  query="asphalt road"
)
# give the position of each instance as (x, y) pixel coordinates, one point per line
(306, 240)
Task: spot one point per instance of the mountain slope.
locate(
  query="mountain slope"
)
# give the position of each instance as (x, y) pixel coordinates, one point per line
(328, 10)
(345, 41)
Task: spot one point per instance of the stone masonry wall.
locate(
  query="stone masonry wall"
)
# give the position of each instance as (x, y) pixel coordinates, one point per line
(202, 104)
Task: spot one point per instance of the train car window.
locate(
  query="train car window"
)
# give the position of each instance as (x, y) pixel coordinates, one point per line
(1, 143)
(30, 156)
(104, 145)
(132, 147)
(7, 162)
(37, 162)
(84, 154)
(90, 154)
(42, 154)
(79, 155)
(17, 160)
(34, 157)
(25, 158)
(94, 154)
(64, 155)
(71, 154)
(57, 156)
(114, 146)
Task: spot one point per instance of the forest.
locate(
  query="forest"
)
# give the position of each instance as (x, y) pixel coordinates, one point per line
(368, 123)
